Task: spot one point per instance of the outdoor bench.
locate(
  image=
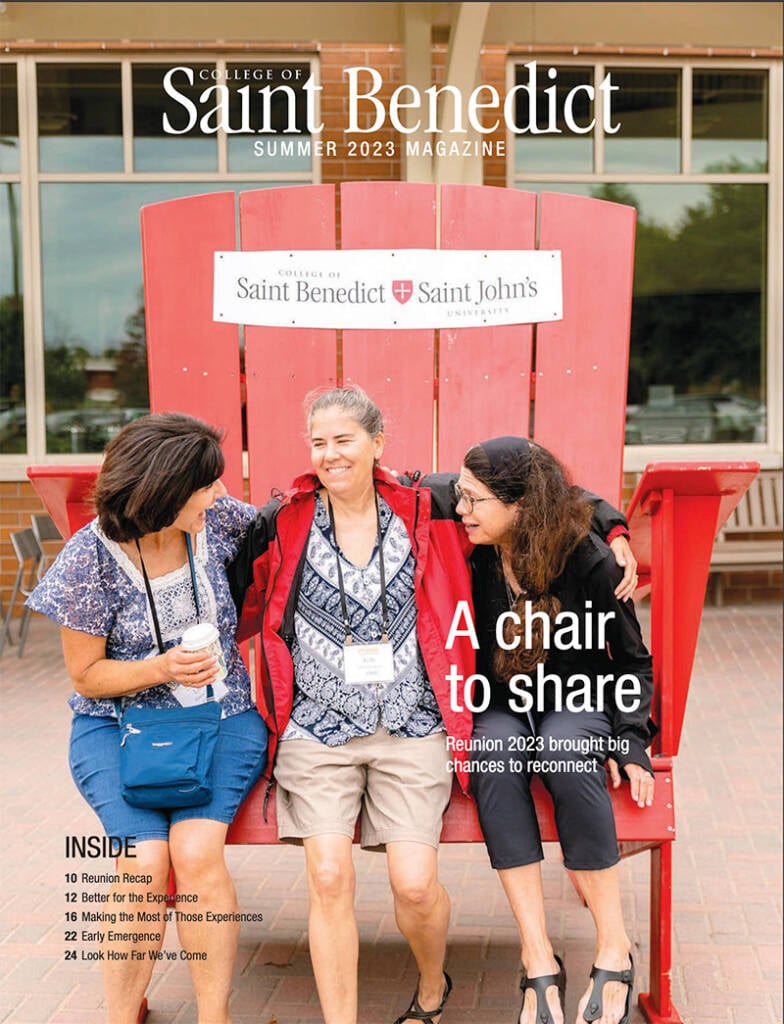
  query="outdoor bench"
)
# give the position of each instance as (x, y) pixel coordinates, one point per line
(752, 536)
(562, 383)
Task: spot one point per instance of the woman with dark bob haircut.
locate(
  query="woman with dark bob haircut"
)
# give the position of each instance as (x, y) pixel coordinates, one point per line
(123, 590)
(540, 578)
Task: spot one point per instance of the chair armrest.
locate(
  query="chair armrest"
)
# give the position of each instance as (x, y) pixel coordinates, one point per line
(674, 516)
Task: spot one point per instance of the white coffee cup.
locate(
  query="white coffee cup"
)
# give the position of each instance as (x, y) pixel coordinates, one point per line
(204, 637)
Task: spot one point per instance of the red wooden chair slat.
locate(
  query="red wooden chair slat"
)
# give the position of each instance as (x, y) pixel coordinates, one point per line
(193, 362)
(484, 373)
(395, 367)
(283, 365)
(582, 360)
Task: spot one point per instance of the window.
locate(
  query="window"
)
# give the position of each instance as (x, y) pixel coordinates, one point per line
(691, 154)
(97, 150)
(13, 413)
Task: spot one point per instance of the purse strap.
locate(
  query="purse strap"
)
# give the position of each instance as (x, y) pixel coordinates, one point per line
(150, 598)
(154, 611)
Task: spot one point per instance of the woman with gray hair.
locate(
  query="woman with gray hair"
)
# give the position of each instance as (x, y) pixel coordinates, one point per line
(352, 580)
(352, 591)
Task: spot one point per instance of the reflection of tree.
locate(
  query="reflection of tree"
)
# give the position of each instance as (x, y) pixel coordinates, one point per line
(131, 359)
(697, 313)
(12, 368)
(66, 377)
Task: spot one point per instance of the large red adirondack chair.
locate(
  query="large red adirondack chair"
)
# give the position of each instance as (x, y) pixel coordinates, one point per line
(563, 382)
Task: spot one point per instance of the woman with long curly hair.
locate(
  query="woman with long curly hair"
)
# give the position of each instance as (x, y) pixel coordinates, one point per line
(570, 686)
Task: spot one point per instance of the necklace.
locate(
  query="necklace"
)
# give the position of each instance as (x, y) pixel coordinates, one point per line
(511, 596)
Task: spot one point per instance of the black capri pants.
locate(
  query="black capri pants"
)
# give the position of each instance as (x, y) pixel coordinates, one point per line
(583, 811)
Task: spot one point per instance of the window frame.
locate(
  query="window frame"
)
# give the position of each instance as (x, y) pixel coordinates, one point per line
(636, 457)
(30, 178)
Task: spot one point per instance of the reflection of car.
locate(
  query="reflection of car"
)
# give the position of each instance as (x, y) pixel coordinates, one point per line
(13, 421)
(695, 419)
(89, 429)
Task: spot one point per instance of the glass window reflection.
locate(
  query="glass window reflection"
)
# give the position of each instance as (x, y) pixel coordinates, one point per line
(95, 344)
(154, 148)
(563, 150)
(12, 367)
(80, 117)
(730, 119)
(9, 120)
(270, 100)
(697, 361)
(647, 105)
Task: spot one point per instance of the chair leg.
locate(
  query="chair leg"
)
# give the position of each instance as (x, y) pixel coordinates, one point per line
(23, 627)
(6, 633)
(656, 1005)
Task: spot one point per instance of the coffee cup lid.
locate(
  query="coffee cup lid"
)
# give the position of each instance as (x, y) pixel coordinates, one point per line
(200, 635)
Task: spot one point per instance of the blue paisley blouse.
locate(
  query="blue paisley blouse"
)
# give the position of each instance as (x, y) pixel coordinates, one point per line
(93, 587)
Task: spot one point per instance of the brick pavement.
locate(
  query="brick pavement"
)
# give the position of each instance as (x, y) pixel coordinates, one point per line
(727, 895)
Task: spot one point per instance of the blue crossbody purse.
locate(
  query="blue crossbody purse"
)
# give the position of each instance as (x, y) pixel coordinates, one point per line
(166, 753)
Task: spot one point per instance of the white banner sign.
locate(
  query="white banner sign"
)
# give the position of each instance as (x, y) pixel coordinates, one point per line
(389, 290)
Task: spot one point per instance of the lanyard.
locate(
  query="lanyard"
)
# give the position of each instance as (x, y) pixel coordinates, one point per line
(148, 588)
(343, 604)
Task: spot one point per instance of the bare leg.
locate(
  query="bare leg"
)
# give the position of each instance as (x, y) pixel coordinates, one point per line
(334, 942)
(422, 913)
(126, 978)
(197, 850)
(523, 887)
(601, 890)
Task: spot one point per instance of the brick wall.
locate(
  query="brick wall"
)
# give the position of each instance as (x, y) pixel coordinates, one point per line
(18, 501)
(388, 61)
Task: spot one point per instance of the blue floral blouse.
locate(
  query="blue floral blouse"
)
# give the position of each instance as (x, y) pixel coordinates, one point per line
(93, 587)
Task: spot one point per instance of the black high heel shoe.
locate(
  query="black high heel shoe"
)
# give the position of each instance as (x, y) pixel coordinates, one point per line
(599, 976)
(540, 986)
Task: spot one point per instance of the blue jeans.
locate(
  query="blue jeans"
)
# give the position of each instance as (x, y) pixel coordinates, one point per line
(94, 757)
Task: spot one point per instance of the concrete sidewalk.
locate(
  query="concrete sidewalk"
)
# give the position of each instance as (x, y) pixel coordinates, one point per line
(727, 890)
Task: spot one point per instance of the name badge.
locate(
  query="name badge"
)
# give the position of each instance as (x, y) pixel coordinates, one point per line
(368, 663)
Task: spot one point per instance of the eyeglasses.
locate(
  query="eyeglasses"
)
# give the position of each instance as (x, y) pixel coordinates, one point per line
(461, 496)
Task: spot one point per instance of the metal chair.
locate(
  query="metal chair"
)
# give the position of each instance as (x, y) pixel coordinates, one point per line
(47, 535)
(27, 550)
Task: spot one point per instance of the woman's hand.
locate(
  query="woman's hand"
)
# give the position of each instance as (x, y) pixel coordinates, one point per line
(190, 668)
(97, 677)
(640, 781)
(625, 558)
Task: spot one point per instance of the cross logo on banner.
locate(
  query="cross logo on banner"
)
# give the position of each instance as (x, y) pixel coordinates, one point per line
(402, 290)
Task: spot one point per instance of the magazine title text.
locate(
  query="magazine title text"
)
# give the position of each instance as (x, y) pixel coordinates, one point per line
(407, 109)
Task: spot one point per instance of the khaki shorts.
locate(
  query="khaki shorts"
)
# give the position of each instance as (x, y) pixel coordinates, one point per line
(400, 784)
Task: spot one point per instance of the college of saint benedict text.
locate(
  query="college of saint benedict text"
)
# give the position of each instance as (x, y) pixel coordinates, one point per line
(539, 690)
(117, 911)
(237, 101)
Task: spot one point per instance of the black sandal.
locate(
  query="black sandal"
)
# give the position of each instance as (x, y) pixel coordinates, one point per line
(600, 977)
(415, 1011)
(540, 986)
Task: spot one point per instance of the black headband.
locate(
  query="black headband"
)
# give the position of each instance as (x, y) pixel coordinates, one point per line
(510, 458)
